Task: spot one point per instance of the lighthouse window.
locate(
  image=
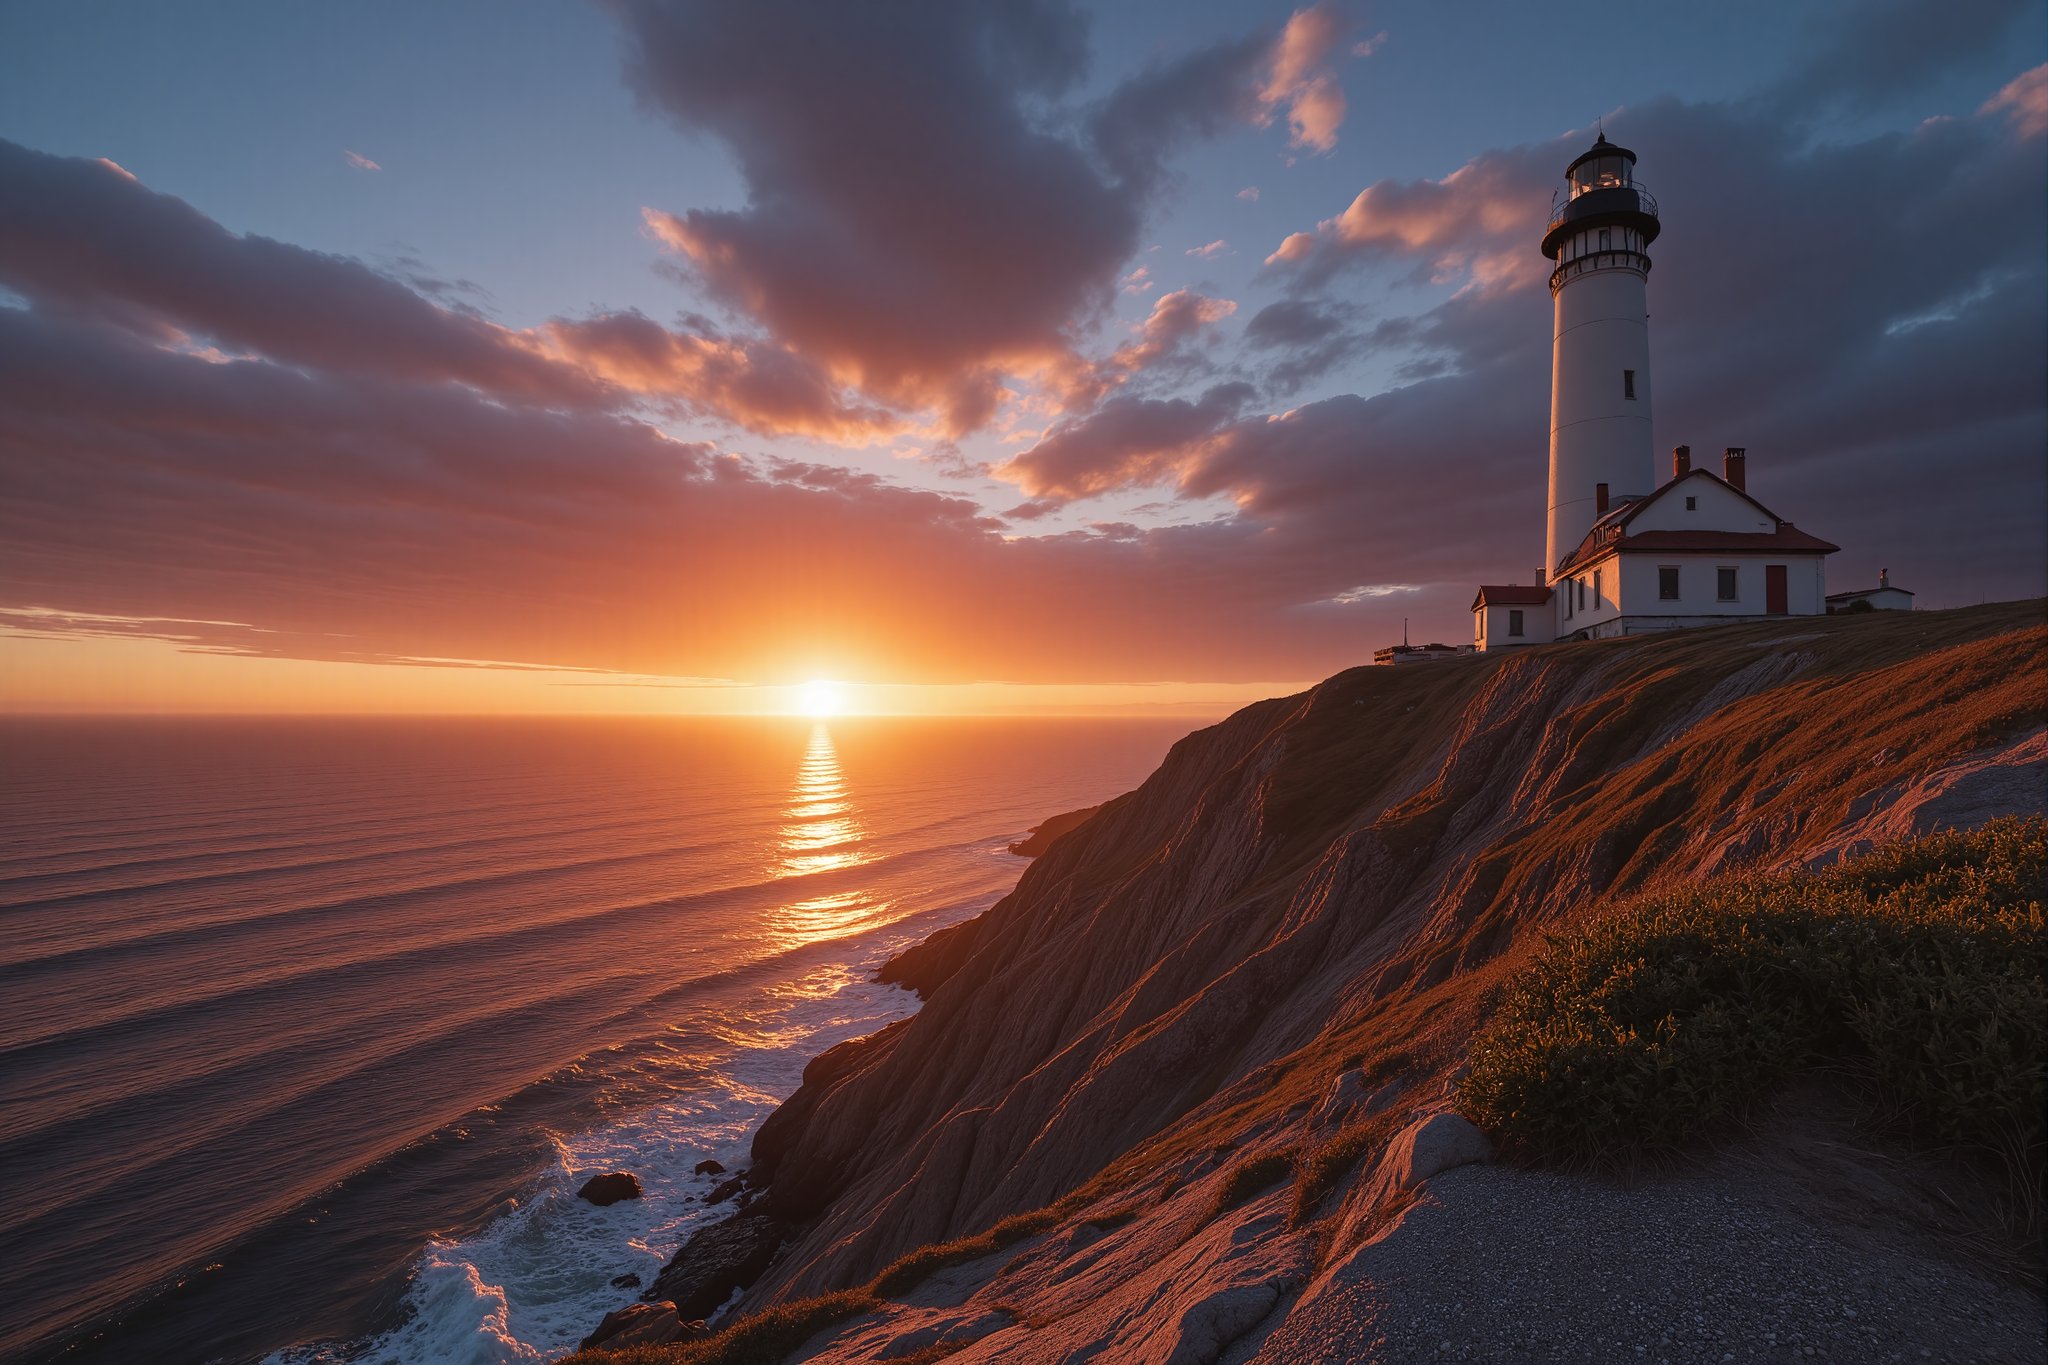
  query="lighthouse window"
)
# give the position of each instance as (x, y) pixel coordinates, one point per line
(1667, 582)
(1628, 383)
(1605, 233)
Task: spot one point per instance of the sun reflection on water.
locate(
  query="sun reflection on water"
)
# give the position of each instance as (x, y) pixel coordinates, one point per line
(822, 833)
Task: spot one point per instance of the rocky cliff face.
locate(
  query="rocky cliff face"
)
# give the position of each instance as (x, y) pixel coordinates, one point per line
(1323, 892)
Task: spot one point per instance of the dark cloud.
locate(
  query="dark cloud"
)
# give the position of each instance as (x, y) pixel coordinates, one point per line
(922, 214)
(1312, 336)
(86, 236)
(1867, 52)
(1127, 441)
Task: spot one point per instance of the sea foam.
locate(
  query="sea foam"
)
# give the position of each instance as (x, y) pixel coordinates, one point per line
(537, 1277)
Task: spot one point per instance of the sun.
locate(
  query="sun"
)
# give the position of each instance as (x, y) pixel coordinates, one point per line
(819, 698)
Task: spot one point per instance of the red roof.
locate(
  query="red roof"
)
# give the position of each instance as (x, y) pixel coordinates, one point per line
(1610, 533)
(1510, 595)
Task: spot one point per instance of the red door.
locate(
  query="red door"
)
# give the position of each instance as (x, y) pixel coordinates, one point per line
(1774, 590)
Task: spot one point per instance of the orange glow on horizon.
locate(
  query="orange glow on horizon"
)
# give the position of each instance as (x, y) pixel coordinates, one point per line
(40, 675)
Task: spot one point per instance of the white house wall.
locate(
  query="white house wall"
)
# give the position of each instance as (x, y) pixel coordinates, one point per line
(1492, 627)
(1638, 607)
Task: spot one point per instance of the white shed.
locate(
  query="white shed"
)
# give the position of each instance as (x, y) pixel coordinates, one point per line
(1883, 597)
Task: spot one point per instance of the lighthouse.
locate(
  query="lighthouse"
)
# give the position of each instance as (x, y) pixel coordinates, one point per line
(1600, 450)
(1627, 551)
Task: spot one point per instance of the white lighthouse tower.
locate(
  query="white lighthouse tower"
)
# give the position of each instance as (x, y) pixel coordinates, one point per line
(1600, 352)
(1626, 553)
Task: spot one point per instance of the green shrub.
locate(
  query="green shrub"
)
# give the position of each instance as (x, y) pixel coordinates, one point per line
(1920, 964)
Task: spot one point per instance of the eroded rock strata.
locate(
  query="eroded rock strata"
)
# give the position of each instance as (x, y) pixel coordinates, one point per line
(1290, 932)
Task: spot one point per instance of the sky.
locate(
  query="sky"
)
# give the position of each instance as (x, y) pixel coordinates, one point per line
(1013, 357)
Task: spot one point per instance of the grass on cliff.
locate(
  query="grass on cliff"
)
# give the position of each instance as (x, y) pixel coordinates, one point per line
(763, 1338)
(1919, 967)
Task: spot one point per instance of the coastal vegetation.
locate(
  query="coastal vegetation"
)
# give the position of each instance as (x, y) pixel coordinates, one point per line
(1917, 968)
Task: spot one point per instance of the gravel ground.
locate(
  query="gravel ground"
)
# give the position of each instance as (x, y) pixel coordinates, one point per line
(1507, 1265)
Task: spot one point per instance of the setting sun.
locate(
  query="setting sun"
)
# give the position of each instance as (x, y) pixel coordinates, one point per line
(819, 698)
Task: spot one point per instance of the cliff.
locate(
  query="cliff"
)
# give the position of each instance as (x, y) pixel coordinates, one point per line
(1298, 922)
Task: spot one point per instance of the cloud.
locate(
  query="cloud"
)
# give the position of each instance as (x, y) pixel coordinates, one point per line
(1314, 336)
(1176, 320)
(1863, 54)
(81, 236)
(1210, 251)
(2024, 101)
(359, 161)
(1126, 442)
(1301, 80)
(996, 225)
(1250, 194)
(970, 248)
(1473, 222)
(753, 383)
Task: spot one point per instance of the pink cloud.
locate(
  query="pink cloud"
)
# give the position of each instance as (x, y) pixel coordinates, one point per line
(1210, 251)
(2024, 101)
(359, 161)
(756, 384)
(1300, 79)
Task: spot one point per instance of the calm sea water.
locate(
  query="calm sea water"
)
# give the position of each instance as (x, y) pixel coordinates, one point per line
(310, 1029)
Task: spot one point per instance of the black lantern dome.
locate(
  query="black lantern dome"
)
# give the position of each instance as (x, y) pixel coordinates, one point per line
(1601, 192)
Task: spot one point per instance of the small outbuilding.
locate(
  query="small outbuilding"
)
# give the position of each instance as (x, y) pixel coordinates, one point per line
(1508, 614)
(1419, 654)
(1883, 597)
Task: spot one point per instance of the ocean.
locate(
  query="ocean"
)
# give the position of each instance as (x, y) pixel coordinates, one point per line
(310, 1029)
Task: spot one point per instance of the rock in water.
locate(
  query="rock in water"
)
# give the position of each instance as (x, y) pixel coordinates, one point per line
(629, 1280)
(709, 1167)
(717, 1260)
(610, 1188)
(642, 1324)
(726, 1189)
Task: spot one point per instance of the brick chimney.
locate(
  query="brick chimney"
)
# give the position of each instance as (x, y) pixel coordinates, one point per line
(1600, 499)
(1884, 578)
(1735, 466)
(1681, 461)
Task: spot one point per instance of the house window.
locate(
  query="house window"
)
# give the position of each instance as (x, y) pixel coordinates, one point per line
(1692, 504)
(1514, 622)
(1596, 589)
(1667, 582)
(1724, 588)
(1582, 594)
(1628, 383)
